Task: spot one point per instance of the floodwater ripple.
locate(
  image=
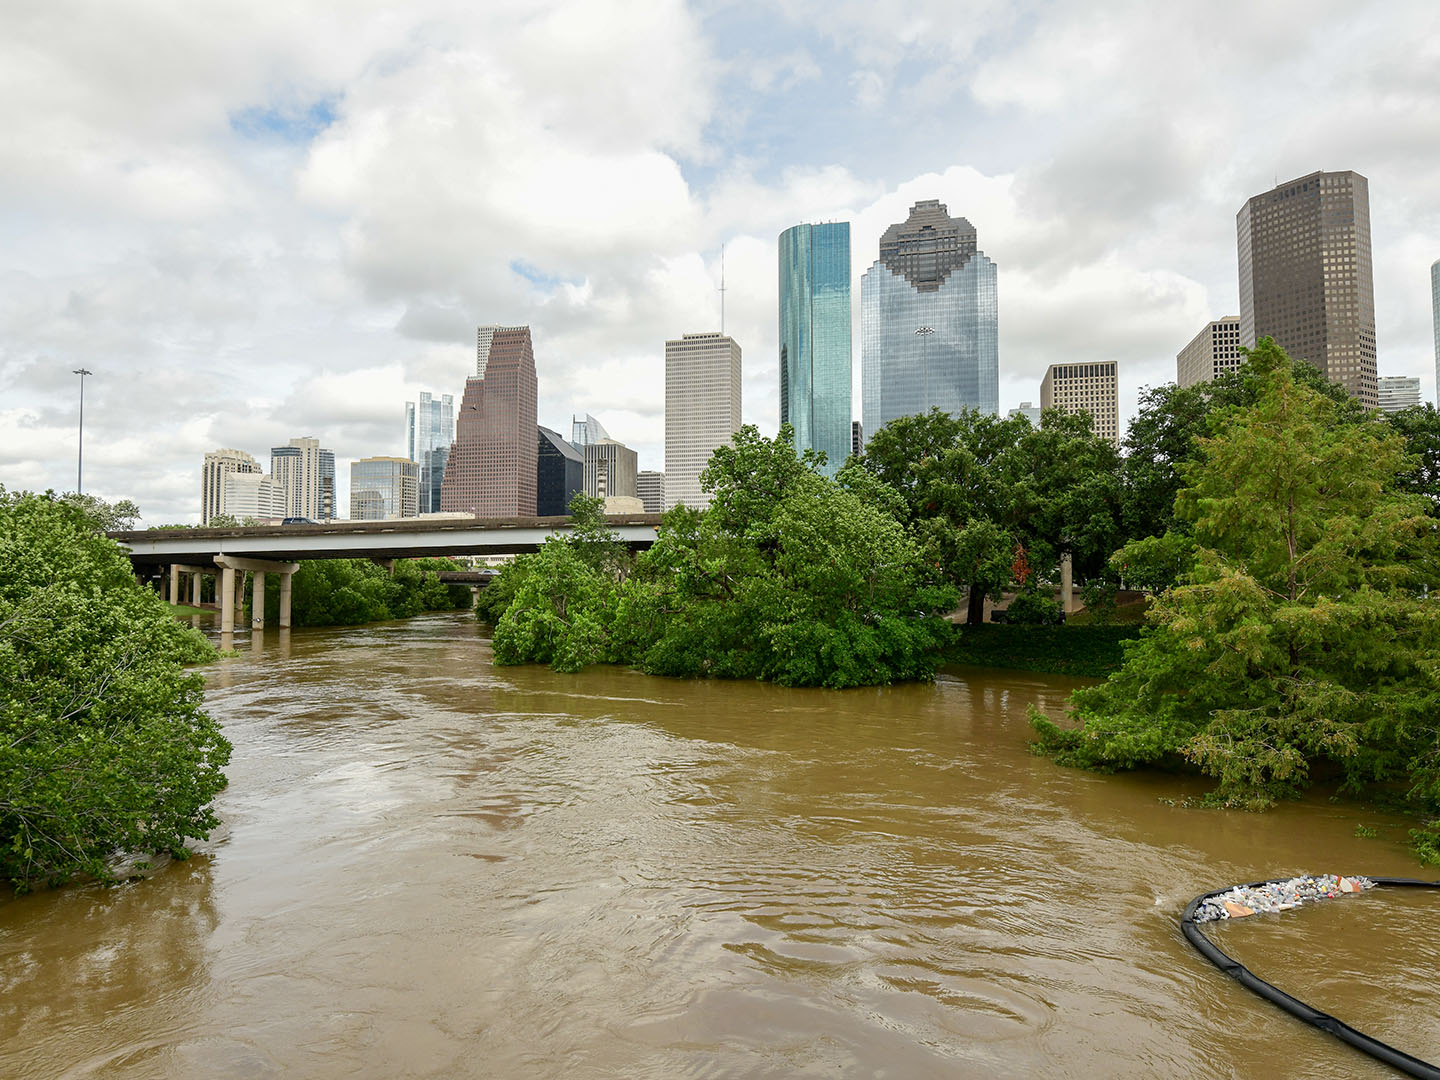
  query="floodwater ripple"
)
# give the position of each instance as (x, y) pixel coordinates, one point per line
(433, 867)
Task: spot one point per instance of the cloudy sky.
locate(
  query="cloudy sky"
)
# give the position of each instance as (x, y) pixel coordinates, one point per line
(254, 220)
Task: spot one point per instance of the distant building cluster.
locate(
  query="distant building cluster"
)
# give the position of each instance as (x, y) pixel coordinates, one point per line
(929, 339)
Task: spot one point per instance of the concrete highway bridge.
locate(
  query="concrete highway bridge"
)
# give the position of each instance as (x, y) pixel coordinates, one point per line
(278, 549)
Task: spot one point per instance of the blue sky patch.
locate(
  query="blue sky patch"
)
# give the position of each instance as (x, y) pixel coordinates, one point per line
(288, 123)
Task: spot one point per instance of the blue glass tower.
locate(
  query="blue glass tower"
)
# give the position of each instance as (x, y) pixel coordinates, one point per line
(929, 321)
(815, 356)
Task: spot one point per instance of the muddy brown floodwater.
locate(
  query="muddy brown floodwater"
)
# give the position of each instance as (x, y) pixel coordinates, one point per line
(433, 867)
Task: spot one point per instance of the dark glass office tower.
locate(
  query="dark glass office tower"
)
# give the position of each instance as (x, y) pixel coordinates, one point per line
(560, 473)
(815, 354)
(1305, 277)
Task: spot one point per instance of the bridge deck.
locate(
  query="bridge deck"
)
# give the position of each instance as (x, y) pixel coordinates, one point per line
(407, 538)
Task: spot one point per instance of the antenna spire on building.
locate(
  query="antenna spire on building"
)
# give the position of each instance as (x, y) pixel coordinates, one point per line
(721, 290)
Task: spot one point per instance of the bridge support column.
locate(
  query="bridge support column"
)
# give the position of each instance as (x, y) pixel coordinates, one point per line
(1067, 584)
(258, 569)
(257, 601)
(195, 588)
(227, 601)
(174, 585)
(285, 600)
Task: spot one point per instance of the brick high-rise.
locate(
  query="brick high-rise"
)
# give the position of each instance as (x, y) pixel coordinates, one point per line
(491, 470)
(1305, 276)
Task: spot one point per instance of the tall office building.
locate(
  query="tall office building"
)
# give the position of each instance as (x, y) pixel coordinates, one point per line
(587, 431)
(702, 410)
(1435, 316)
(484, 338)
(384, 487)
(650, 490)
(815, 338)
(1305, 276)
(611, 465)
(493, 464)
(1396, 392)
(559, 473)
(857, 437)
(429, 431)
(306, 472)
(219, 464)
(251, 496)
(929, 321)
(1092, 388)
(1213, 351)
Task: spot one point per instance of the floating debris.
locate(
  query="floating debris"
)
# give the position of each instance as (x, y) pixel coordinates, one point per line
(1245, 900)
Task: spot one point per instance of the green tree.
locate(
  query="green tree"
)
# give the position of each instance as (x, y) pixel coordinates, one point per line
(1296, 637)
(1420, 428)
(104, 745)
(119, 516)
(1160, 442)
(786, 577)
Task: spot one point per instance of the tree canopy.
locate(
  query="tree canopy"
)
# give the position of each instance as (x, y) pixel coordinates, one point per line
(786, 576)
(104, 745)
(1297, 635)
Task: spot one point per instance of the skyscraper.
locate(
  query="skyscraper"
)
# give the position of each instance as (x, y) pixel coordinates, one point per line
(1091, 388)
(492, 466)
(1213, 351)
(650, 489)
(559, 474)
(384, 487)
(587, 431)
(305, 471)
(1305, 276)
(929, 321)
(219, 463)
(612, 465)
(815, 358)
(1398, 392)
(1435, 310)
(429, 431)
(702, 410)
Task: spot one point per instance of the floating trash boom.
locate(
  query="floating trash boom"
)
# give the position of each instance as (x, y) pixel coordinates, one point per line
(1282, 894)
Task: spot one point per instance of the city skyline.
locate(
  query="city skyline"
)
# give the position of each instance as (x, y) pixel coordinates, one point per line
(241, 258)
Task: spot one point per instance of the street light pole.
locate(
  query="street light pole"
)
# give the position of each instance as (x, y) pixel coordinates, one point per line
(924, 333)
(80, 452)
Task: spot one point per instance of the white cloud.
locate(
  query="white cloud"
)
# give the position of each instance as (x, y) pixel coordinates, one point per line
(260, 221)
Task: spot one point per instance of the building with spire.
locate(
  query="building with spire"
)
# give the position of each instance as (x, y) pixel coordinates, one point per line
(492, 470)
(815, 355)
(929, 321)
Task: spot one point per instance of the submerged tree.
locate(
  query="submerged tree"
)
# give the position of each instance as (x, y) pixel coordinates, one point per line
(1297, 636)
(104, 744)
(785, 577)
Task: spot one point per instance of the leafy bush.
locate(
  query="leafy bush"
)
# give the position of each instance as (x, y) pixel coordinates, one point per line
(349, 592)
(104, 746)
(1033, 608)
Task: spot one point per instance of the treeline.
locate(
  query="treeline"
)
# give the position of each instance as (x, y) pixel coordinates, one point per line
(348, 592)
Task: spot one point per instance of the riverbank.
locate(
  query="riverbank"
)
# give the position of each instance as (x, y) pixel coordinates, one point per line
(1088, 650)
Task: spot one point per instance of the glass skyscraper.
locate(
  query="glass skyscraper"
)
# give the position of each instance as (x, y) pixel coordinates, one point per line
(929, 321)
(429, 431)
(815, 355)
(1435, 305)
